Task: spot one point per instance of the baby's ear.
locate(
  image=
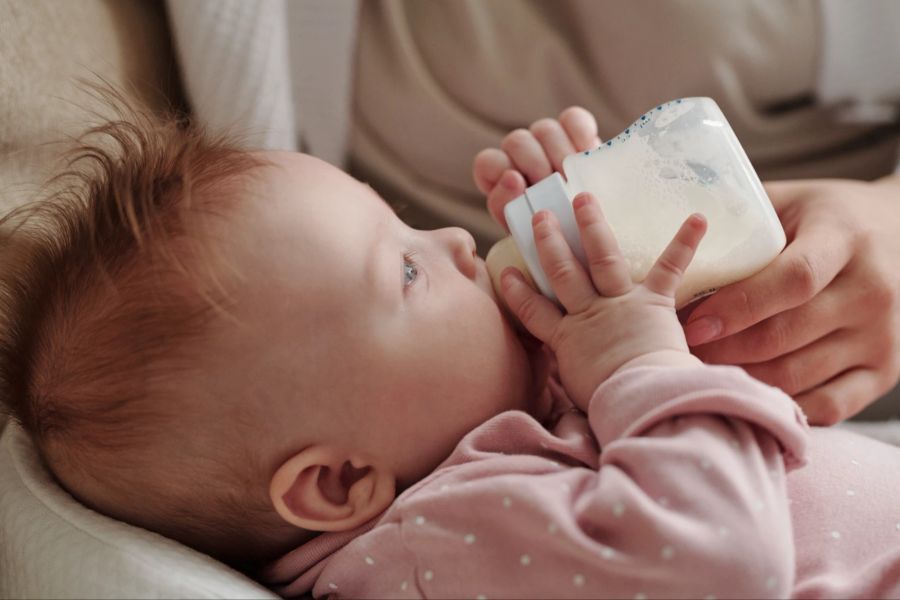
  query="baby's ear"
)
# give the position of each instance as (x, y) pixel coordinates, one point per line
(323, 488)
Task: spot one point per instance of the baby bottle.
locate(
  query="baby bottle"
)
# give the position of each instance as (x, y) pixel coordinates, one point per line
(679, 158)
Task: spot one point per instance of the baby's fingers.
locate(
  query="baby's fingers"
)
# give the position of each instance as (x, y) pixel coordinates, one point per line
(581, 127)
(510, 186)
(538, 314)
(488, 167)
(527, 154)
(666, 273)
(607, 266)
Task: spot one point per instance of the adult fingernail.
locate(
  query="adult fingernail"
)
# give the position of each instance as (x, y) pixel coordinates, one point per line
(704, 329)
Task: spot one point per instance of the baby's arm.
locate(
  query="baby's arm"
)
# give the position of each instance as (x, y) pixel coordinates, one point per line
(687, 499)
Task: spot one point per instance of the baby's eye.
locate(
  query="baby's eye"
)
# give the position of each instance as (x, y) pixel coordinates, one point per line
(410, 269)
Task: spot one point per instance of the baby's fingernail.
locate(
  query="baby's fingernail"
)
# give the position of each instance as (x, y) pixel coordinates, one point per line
(580, 200)
(702, 330)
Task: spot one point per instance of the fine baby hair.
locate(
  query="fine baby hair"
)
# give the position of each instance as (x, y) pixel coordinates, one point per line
(106, 287)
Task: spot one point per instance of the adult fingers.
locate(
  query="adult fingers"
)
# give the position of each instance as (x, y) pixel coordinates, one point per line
(811, 366)
(787, 331)
(538, 314)
(806, 266)
(527, 155)
(487, 168)
(581, 127)
(568, 280)
(842, 397)
(668, 270)
(511, 186)
(554, 140)
(606, 264)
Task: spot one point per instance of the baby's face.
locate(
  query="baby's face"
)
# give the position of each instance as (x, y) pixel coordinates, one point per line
(362, 331)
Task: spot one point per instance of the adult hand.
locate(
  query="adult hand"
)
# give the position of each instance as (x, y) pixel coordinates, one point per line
(822, 321)
(528, 155)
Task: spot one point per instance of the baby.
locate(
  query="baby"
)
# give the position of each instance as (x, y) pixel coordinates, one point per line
(251, 354)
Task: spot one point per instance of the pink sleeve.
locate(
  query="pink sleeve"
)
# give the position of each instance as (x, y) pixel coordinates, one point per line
(686, 499)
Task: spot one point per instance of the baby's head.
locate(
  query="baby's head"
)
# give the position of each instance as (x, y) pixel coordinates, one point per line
(238, 350)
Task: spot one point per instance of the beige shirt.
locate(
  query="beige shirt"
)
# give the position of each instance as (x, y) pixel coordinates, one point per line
(436, 81)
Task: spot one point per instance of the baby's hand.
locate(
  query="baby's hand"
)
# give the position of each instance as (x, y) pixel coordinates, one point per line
(609, 323)
(528, 155)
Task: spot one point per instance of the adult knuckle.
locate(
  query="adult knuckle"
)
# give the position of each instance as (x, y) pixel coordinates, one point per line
(789, 376)
(881, 295)
(804, 277)
(829, 410)
(771, 338)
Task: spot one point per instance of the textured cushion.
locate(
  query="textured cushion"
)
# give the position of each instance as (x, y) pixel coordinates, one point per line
(51, 546)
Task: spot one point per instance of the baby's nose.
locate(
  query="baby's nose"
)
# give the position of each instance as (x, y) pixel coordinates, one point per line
(462, 248)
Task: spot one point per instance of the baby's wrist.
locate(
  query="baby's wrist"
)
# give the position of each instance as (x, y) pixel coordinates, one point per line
(661, 358)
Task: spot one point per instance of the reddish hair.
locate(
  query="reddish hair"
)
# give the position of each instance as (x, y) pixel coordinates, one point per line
(105, 293)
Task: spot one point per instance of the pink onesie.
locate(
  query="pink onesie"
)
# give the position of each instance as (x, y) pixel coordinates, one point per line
(709, 485)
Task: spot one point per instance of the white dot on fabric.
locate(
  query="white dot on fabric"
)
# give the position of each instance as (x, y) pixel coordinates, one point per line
(759, 506)
(836, 535)
(578, 580)
(770, 582)
(481, 597)
(332, 586)
(507, 502)
(420, 520)
(735, 444)
(640, 596)
(445, 487)
(709, 597)
(618, 509)
(855, 462)
(428, 575)
(370, 560)
(667, 552)
(469, 538)
(525, 560)
(551, 528)
(898, 526)
(566, 487)
(607, 552)
(403, 585)
(851, 493)
(663, 501)
(705, 464)
(723, 531)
